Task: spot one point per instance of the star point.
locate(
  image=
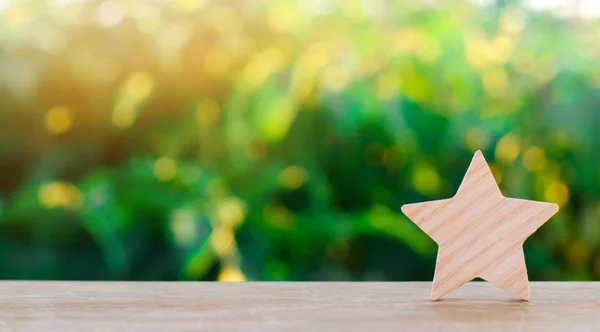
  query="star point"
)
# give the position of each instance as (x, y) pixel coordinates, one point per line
(480, 233)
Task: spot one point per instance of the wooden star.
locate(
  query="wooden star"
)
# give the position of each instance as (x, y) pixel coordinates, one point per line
(480, 233)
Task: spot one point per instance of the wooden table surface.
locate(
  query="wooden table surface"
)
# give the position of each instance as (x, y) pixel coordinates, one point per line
(119, 306)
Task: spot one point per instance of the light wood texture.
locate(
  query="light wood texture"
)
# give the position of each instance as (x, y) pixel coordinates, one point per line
(264, 307)
(480, 233)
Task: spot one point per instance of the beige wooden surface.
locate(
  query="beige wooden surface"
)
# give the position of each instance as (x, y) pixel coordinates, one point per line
(84, 306)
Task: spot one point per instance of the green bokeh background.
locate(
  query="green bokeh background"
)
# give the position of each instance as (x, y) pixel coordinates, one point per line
(277, 140)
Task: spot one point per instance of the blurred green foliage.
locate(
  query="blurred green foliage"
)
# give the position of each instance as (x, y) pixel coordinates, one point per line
(277, 140)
